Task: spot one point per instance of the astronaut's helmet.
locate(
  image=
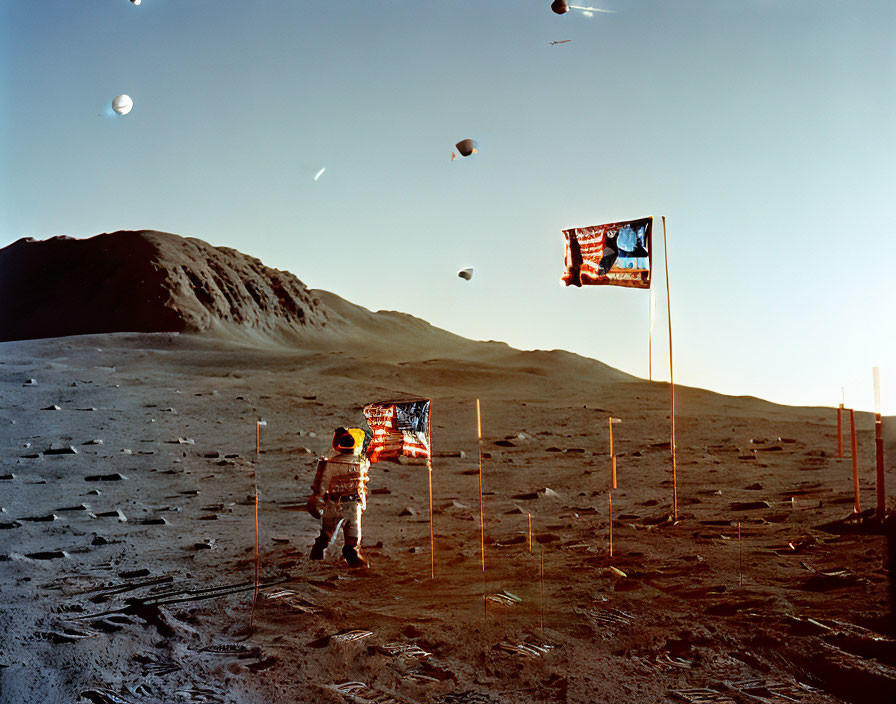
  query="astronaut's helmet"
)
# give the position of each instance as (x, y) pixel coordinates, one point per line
(348, 440)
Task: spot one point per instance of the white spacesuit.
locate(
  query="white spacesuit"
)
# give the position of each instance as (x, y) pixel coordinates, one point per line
(339, 495)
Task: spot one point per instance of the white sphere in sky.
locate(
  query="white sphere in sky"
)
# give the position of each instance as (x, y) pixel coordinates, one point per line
(122, 104)
(135, 2)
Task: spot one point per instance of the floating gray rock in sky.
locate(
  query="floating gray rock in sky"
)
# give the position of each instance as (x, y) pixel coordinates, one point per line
(466, 147)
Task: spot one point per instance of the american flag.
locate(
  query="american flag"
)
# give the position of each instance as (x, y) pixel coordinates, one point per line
(616, 254)
(400, 428)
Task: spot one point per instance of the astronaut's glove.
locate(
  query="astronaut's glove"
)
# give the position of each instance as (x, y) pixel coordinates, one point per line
(314, 506)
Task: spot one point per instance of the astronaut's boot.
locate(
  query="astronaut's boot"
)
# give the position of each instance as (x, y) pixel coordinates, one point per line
(317, 551)
(352, 555)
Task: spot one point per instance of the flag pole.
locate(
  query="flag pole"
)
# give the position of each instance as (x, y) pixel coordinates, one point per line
(432, 549)
(671, 378)
(432, 544)
(650, 334)
(481, 514)
(855, 461)
(879, 447)
(541, 572)
(839, 431)
(612, 456)
(258, 424)
(610, 497)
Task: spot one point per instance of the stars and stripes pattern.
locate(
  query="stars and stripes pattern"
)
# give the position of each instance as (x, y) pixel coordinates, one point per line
(400, 428)
(615, 254)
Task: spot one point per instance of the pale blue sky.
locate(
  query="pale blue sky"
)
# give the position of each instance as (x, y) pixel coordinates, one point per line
(763, 129)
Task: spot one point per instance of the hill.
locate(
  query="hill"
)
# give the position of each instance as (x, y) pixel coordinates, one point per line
(149, 281)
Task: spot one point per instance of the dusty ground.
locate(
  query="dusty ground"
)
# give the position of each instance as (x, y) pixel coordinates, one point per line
(95, 573)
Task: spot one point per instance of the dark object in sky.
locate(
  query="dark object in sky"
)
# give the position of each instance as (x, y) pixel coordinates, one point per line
(466, 147)
(465, 274)
(560, 7)
(562, 41)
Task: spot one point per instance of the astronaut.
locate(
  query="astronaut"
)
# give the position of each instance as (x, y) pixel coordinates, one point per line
(339, 495)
